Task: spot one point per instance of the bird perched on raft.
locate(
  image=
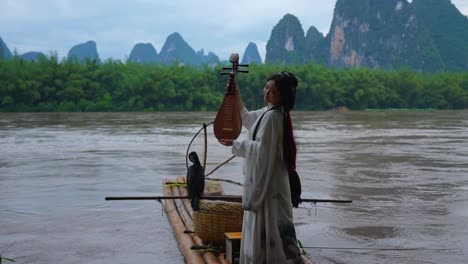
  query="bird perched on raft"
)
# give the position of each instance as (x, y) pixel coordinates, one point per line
(195, 180)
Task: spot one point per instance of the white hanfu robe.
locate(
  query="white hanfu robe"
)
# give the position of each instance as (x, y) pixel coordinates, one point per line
(268, 234)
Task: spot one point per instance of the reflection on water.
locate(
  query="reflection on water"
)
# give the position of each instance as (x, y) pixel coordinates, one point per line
(406, 171)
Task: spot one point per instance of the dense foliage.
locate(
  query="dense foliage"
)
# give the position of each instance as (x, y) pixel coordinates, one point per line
(53, 85)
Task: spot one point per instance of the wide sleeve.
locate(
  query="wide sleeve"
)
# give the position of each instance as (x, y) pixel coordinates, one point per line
(249, 117)
(261, 156)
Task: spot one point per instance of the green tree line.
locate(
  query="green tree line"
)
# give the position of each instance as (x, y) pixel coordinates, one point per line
(53, 85)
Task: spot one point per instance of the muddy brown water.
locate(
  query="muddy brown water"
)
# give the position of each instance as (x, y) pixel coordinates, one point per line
(406, 172)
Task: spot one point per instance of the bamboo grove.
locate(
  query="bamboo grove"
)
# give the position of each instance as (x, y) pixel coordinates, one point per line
(52, 85)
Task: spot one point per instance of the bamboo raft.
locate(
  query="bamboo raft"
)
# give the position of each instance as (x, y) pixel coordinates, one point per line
(181, 217)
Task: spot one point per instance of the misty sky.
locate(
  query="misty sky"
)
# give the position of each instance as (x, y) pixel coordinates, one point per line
(222, 27)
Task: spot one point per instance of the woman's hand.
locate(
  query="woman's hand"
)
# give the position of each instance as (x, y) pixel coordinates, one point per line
(225, 142)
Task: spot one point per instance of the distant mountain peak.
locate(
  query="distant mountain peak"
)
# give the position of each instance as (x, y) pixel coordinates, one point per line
(251, 54)
(175, 36)
(286, 43)
(4, 51)
(83, 51)
(144, 53)
(380, 34)
(33, 56)
(315, 46)
(210, 59)
(176, 50)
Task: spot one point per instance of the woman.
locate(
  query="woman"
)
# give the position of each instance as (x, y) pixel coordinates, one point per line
(268, 234)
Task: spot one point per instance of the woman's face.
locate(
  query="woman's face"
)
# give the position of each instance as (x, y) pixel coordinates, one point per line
(271, 94)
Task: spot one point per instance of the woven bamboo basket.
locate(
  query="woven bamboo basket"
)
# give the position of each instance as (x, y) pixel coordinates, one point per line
(214, 218)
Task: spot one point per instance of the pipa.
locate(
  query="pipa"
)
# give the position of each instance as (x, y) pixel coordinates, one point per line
(228, 122)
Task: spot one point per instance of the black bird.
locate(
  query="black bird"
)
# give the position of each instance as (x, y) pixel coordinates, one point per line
(195, 180)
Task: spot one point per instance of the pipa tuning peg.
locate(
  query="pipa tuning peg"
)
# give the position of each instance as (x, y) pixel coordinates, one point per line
(243, 71)
(234, 57)
(227, 68)
(243, 65)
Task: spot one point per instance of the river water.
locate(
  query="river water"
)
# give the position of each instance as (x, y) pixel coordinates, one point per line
(406, 172)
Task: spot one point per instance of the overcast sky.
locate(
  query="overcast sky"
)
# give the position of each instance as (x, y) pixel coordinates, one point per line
(219, 26)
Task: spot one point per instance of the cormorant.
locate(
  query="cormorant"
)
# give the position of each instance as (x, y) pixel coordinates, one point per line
(195, 180)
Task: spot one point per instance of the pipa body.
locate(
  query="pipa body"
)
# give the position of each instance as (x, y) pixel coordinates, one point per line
(228, 122)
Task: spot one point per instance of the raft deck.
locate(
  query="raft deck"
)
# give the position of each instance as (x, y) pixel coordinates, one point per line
(180, 215)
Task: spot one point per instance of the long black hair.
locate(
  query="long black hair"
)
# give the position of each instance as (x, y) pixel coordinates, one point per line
(286, 83)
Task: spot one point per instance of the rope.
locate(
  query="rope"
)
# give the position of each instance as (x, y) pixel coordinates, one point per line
(163, 208)
(309, 209)
(224, 180)
(191, 141)
(175, 184)
(205, 156)
(378, 249)
(220, 165)
(7, 248)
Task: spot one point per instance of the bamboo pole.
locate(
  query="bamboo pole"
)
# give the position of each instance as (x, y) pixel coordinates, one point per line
(184, 192)
(209, 257)
(231, 198)
(185, 240)
(181, 208)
